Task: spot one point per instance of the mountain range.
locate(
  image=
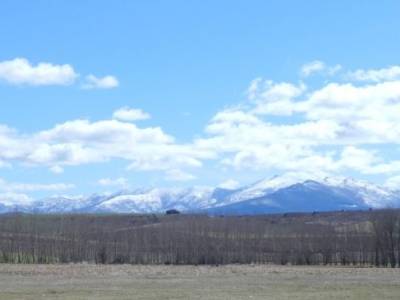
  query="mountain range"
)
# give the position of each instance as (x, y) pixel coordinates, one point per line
(278, 194)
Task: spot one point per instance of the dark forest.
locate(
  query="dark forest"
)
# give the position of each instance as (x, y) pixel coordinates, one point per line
(367, 238)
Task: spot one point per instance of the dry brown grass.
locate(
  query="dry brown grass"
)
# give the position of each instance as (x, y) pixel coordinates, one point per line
(189, 282)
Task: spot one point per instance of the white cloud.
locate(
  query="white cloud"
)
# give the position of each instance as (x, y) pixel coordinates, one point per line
(242, 137)
(229, 184)
(6, 186)
(166, 157)
(324, 126)
(346, 102)
(130, 114)
(178, 175)
(280, 157)
(106, 82)
(357, 159)
(20, 71)
(82, 142)
(117, 182)
(13, 199)
(232, 129)
(312, 67)
(103, 132)
(4, 164)
(378, 75)
(357, 114)
(393, 183)
(318, 66)
(56, 169)
(79, 142)
(274, 98)
(283, 127)
(332, 70)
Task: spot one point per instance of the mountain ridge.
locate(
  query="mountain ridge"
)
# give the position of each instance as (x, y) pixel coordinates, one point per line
(273, 195)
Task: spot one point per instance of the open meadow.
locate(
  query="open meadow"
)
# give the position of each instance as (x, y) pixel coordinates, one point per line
(87, 281)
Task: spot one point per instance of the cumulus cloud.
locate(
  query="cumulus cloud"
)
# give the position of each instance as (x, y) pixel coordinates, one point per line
(357, 114)
(12, 199)
(274, 98)
(81, 142)
(178, 175)
(393, 183)
(56, 169)
(166, 157)
(106, 82)
(20, 71)
(13, 187)
(117, 182)
(318, 66)
(357, 159)
(376, 75)
(343, 102)
(4, 164)
(334, 128)
(312, 67)
(331, 129)
(229, 184)
(130, 114)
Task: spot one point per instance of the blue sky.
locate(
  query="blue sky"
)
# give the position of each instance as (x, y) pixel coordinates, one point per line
(205, 89)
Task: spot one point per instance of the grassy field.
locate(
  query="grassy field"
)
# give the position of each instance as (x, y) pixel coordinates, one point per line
(189, 282)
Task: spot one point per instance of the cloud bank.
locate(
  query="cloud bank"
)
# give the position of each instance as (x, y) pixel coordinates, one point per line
(347, 124)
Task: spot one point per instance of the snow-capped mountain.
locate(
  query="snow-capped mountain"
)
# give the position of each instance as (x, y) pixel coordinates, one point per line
(300, 197)
(274, 195)
(373, 195)
(261, 188)
(64, 204)
(158, 200)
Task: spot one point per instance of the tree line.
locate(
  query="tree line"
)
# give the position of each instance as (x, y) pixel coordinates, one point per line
(342, 238)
